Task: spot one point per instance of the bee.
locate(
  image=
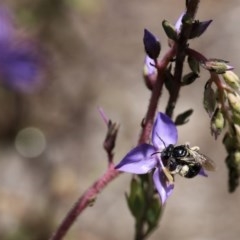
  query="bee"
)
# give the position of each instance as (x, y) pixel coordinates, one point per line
(185, 160)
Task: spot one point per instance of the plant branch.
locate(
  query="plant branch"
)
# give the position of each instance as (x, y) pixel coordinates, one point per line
(180, 56)
(84, 201)
(156, 93)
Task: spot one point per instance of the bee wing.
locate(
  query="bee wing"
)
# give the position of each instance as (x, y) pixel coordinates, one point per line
(205, 161)
(208, 164)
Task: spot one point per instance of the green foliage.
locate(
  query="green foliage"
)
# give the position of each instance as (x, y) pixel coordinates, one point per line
(144, 205)
(193, 64)
(136, 198)
(183, 118)
(189, 78)
(209, 99)
(170, 30)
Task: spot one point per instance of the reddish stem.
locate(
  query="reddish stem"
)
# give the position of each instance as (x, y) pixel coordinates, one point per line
(89, 196)
(84, 201)
(156, 93)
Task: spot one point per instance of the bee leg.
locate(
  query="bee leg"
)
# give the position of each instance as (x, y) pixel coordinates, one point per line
(195, 148)
(168, 175)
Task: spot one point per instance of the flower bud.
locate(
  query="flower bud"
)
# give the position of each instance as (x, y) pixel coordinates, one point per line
(218, 66)
(170, 30)
(237, 158)
(151, 44)
(198, 28)
(232, 162)
(237, 131)
(193, 64)
(234, 101)
(209, 99)
(231, 79)
(217, 123)
(230, 142)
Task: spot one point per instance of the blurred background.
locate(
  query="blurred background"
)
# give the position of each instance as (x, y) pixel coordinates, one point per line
(59, 61)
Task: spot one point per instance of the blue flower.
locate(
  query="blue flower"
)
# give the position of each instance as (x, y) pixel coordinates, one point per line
(143, 158)
(21, 63)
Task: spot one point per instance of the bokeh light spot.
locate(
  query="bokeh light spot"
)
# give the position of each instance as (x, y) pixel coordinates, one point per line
(30, 142)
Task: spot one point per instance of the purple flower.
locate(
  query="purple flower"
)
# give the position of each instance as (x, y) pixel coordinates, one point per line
(20, 61)
(143, 158)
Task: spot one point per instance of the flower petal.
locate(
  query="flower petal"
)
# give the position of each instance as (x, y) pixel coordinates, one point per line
(178, 24)
(163, 187)
(202, 173)
(164, 132)
(149, 67)
(139, 160)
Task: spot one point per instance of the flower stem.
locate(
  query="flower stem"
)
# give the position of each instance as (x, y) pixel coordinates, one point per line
(84, 201)
(156, 93)
(180, 56)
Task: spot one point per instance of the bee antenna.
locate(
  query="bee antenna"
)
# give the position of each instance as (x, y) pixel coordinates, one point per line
(161, 140)
(155, 153)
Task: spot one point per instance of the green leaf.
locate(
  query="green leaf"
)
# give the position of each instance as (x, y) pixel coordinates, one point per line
(170, 30)
(136, 198)
(169, 80)
(209, 99)
(193, 64)
(183, 118)
(230, 142)
(218, 66)
(232, 162)
(217, 123)
(189, 78)
(153, 212)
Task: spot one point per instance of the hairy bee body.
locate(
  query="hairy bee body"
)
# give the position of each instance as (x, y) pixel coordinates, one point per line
(185, 161)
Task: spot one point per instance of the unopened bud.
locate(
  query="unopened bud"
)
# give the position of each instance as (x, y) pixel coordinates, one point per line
(218, 66)
(170, 30)
(111, 136)
(234, 101)
(151, 44)
(237, 158)
(193, 64)
(237, 132)
(233, 170)
(217, 123)
(198, 28)
(230, 142)
(209, 99)
(232, 79)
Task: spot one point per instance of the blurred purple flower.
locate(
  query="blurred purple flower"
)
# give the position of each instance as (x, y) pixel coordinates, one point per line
(143, 158)
(21, 63)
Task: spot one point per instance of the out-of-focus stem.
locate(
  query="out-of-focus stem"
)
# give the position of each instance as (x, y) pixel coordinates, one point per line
(84, 201)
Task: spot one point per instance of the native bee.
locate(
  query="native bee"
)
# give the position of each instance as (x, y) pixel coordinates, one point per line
(185, 160)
